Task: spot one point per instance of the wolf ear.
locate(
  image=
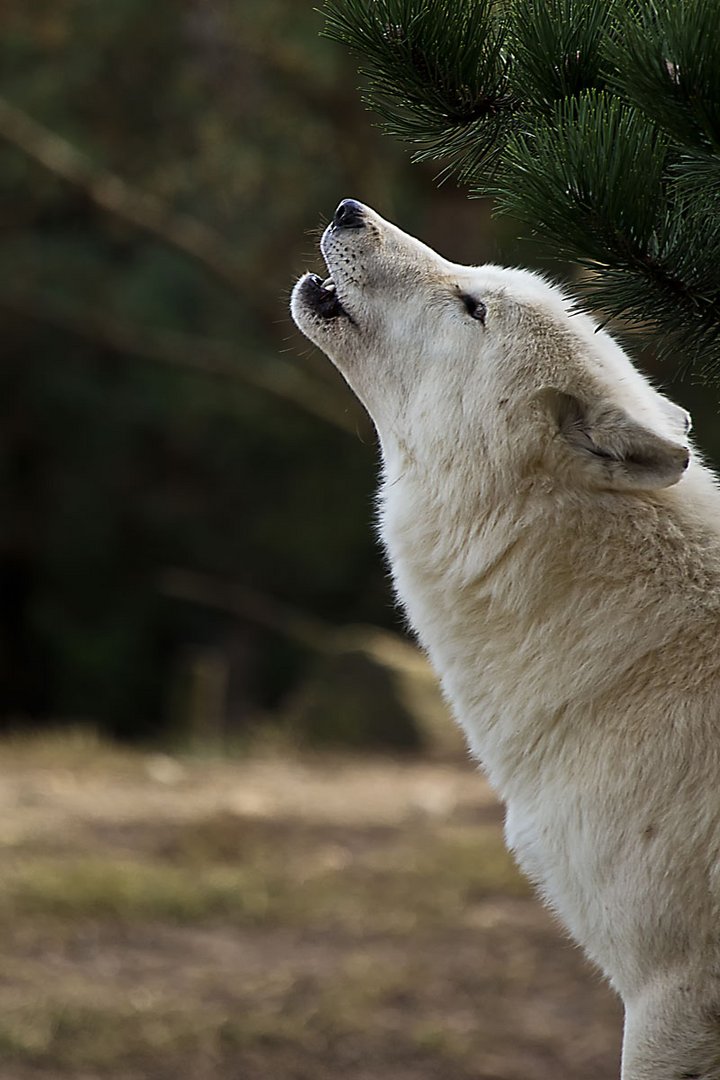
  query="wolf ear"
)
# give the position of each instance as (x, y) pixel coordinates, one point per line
(618, 451)
(680, 418)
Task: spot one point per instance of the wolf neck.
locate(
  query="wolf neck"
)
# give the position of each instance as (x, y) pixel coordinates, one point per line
(521, 623)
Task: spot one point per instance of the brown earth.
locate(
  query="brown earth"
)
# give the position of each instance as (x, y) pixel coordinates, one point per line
(276, 918)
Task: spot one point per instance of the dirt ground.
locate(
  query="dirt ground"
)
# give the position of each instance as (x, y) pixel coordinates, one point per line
(276, 918)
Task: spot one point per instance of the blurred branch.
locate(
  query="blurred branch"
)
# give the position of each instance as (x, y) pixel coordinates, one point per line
(193, 354)
(180, 231)
(115, 196)
(246, 604)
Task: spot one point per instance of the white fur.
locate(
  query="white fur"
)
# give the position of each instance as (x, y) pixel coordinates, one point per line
(561, 566)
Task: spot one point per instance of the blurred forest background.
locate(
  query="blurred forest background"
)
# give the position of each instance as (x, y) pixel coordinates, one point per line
(186, 486)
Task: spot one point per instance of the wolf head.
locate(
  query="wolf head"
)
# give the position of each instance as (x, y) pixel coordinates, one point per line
(495, 360)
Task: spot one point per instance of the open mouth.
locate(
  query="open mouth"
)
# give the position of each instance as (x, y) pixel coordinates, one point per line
(323, 297)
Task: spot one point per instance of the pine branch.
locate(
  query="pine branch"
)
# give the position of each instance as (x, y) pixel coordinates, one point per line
(557, 48)
(573, 180)
(606, 139)
(667, 62)
(437, 73)
(620, 216)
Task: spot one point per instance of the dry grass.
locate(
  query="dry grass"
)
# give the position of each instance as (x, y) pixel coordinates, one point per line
(396, 886)
(272, 918)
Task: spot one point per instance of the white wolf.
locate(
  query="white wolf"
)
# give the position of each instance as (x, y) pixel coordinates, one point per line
(557, 550)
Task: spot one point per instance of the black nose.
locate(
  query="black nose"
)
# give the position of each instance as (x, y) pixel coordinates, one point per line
(350, 214)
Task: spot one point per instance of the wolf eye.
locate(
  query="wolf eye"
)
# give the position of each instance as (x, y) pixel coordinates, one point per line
(474, 307)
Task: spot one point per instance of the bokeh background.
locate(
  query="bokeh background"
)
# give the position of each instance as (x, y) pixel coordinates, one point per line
(239, 835)
(169, 444)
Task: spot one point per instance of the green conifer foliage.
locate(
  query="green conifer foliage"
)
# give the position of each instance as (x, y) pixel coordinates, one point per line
(595, 123)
